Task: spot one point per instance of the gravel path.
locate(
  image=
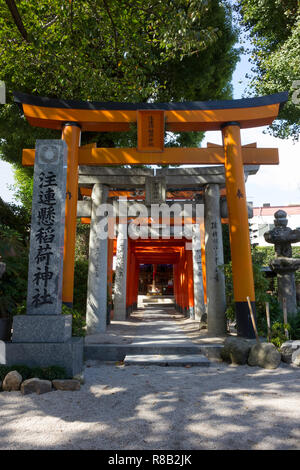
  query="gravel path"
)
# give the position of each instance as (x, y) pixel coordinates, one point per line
(151, 407)
(159, 408)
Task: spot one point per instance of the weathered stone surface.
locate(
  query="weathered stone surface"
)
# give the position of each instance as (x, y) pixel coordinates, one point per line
(215, 279)
(264, 355)
(212, 352)
(97, 275)
(286, 282)
(284, 265)
(203, 171)
(42, 328)
(80, 378)
(236, 350)
(116, 181)
(67, 384)
(224, 208)
(47, 228)
(199, 305)
(282, 236)
(36, 386)
(12, 381)
(121, 274)
(68, 355)
(155, 190)
(114, 171)
(296, 357)
(287, 349)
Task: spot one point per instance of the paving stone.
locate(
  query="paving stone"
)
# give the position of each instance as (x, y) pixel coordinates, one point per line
(167, 360)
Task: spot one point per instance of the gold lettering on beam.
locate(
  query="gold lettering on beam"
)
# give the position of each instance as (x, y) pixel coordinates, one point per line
(151, 130)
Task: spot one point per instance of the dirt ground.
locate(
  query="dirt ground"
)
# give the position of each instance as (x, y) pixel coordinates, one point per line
(136, 407)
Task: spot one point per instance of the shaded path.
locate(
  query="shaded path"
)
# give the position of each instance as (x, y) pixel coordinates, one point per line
(159, 408)
(154, 330)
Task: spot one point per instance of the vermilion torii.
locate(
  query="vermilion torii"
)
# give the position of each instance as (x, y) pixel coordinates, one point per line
(228, 116)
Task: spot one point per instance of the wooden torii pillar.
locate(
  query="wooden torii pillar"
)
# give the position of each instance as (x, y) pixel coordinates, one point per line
(228, 116)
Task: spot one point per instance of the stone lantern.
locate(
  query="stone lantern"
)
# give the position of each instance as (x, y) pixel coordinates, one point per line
(283, 264)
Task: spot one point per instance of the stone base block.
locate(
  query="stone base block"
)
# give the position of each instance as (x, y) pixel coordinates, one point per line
(120, 314)
(68, 355)
(192, 313)
(128, 311)
(42, 328)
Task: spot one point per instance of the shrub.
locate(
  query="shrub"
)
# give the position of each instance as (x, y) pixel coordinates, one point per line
(25, 371)
(3, 371)
(294, 323)
(261, 285)
(78, 320)
(44, 373)
(13, 284)
(80, 285)
(48, 373)
(278, 333)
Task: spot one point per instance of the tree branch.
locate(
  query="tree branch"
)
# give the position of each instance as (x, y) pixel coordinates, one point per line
(114, 28)
(17, 18)
(50, 22)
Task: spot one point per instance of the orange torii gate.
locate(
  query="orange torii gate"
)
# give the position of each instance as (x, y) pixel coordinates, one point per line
(228, 116)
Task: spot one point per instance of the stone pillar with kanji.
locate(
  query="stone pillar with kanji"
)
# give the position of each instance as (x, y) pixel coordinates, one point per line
(43, 336)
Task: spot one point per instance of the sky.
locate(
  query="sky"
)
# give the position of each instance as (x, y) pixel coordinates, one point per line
(274, 184)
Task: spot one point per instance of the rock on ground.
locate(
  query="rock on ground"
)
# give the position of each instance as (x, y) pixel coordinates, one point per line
(264, 355)
(236, 350)
(67, 384)
(36, 386)
(296, 357)
(287, 349)
(12, 381)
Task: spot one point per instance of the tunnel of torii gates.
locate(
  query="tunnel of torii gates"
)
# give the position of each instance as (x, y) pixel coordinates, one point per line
(92, 171)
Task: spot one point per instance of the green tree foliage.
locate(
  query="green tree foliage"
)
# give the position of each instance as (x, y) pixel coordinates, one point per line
(14, 218)
(130, 50)
(13, 284)
(14, 238)
(274, 28)
(105, 50)
(226, 243)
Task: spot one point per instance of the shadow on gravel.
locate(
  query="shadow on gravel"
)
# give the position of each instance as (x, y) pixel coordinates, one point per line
(153, 407)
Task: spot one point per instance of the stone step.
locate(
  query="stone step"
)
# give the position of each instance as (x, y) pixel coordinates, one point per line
(118, 352)
(174, 360)
(169, 301)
